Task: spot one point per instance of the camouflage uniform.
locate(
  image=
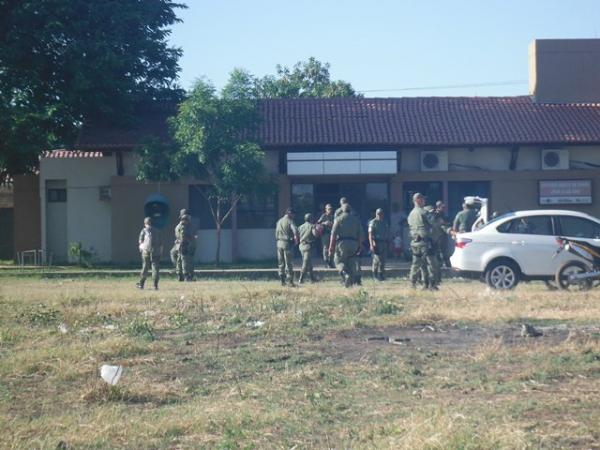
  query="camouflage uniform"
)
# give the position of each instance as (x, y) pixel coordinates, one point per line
(420, 245)
(326, 236)
(174, 253)
(150, 247)
(464, 220)
(348, 234)
(187, 248)
(380, 234)
(438, 239)
(285, 234)
(307, 238)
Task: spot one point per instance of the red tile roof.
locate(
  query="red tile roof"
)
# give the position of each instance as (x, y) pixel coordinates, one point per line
(418, 121)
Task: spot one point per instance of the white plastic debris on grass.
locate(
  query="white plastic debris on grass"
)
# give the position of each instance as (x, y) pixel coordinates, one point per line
(110, 327)
(111, 374)
(255, 324)
(63, 328)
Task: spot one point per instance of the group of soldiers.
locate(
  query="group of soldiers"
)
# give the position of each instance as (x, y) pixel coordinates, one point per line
(429, 231)
(341, 234)
(182, 252)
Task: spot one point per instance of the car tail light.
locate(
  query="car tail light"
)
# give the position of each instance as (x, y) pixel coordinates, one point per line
(462, 242)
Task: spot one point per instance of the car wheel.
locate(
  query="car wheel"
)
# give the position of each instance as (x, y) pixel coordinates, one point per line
(571, 268)
(502, 275)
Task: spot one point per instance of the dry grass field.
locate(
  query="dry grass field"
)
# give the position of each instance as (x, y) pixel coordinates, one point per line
(248, 364)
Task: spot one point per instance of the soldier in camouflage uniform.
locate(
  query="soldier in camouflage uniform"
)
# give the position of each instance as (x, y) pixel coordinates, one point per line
(150, 248)
(346, 236)
(420, 245)
(286, 235)
(379, 236)
(307, 239)
(326, 221)
(464, 220)
(187, 248)
(440, 213)
(338, 212)
(174, 253)
(438, 238)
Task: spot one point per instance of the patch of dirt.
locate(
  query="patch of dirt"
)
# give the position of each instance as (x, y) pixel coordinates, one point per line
(354, 345)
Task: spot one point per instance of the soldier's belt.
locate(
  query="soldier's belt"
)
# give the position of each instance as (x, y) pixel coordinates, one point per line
(347, 239)
(286, 240)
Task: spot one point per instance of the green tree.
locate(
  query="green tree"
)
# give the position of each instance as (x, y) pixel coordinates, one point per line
(306, 79)
(215, 142)
(65, 61)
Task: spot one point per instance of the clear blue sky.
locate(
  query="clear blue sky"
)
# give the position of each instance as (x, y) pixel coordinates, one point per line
(382, 44)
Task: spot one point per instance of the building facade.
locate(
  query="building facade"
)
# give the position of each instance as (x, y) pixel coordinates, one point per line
(520, 152)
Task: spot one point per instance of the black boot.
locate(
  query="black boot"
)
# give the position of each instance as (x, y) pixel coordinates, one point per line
(140, 284)
(381, 276)
(358, 280)
(292, 280)
(313, 278)
(301, 279)
(282, 278)
(156, 285)
(347, 278)
(180, 277)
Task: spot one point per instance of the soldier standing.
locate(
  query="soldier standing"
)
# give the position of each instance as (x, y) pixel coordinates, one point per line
(307, 238)
(174, 253)
(420, 245)
(187, 248)
(286, 235)
(150, 249)
(440, 214)
(438, 238)
(464, 220)
(379, 235)
(338, 212)
(326, 221)
(346, 236)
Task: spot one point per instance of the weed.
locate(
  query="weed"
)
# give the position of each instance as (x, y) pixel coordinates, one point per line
(141, 328)
(179, 319)
(386, 307)
(39, 315)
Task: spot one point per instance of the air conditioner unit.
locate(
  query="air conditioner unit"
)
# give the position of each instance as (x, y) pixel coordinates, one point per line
(434, 161)
(555, 159)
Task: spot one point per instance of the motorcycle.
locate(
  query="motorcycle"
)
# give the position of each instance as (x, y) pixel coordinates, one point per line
(582, 273)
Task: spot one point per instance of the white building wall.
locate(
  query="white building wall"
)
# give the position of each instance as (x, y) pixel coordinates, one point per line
(88, 218)
(253, 244)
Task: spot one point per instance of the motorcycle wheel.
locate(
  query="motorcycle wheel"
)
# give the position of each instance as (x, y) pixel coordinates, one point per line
(570, 268)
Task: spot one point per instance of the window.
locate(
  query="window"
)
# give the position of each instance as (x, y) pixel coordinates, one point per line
(257, 212)
(57, 195)
(432, 190)
(579, 227)
(303, 198)
(537, 225)
(200, 210)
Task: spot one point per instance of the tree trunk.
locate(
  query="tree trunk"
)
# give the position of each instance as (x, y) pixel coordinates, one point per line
(218, 224)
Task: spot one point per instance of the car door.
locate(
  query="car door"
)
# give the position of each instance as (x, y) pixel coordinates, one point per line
(532, 242)
(580, 228)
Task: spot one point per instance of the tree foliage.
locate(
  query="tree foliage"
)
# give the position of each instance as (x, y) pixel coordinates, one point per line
(306, 79)
(65, 61)
(214, 141)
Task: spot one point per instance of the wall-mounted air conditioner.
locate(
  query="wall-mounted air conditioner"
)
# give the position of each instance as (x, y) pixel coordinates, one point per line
(434, 161)
(555, 159)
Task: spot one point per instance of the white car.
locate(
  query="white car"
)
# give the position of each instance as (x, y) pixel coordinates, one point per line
(521, 246)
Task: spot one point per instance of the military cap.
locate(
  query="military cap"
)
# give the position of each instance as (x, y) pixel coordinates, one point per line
(183, 212)
(470, 201)
(379, 211)
(439, 203)
(147, 219)
(343, 201)
(328, 206)
(185, 217)
(417, 195)
(290, 211)
(307, 217)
